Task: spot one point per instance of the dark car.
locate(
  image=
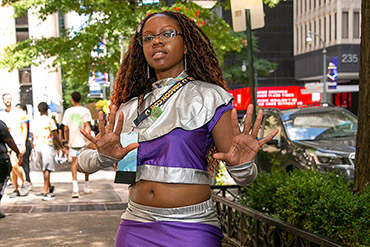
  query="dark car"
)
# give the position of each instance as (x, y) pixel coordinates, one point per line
(318, 137)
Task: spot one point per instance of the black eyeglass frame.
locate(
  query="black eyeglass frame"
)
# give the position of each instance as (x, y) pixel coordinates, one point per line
(140, 37)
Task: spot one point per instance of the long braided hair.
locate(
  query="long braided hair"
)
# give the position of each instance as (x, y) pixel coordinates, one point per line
(202, 63)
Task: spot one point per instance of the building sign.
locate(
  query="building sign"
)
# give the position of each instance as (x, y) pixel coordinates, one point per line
(242, 98)
(332, 74)
(276, 97)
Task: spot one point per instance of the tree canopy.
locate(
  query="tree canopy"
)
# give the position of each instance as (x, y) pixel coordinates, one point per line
(114, 22)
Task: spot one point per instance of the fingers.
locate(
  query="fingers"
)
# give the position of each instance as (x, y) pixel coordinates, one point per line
(248, 119)
(267, 138)
(88, 136)
(131, 147)
(234, 122)
(112, 118)
(119, 124)
(101, 123)
(220, 156)
(257, 124)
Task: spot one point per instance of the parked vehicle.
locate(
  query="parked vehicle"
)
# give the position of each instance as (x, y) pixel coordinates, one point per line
(318, 137)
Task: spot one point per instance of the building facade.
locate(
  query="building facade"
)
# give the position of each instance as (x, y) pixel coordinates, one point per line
(275, 42)
(34, 84)
(335, 24)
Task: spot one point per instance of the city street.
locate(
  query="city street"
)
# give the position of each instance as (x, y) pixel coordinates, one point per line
(90, 220)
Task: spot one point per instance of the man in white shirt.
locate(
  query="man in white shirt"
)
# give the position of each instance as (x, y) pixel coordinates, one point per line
(75, 118)
(45, 134)
(13, 118)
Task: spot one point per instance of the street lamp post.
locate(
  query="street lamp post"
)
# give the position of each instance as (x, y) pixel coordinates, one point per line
(309, 42)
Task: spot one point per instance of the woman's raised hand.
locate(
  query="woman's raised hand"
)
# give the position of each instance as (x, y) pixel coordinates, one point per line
(244, 146)
(108, 142)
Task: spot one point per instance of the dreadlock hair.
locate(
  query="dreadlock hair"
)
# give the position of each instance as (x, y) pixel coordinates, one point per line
(202, 63)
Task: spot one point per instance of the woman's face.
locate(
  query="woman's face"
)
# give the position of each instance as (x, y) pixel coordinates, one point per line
(165, 57)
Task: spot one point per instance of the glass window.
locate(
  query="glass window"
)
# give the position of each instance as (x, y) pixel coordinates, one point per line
(335, 26)
(329, 27)
(271, 124)
(22, 35)
(356, 25)
(25, 76)
(302, 38)
(297, 39)
(345, 25)
(305, 33)
(314, 29)
(22, 21)
(305, 5)
(320, 125)
(324, 33)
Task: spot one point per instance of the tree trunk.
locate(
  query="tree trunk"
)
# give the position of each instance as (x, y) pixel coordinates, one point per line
(362, 163)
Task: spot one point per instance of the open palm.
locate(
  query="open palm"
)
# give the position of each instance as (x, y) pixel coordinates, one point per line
(108, 142)
(244, 146)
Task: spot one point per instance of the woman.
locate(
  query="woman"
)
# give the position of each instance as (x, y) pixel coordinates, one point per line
(177, 121)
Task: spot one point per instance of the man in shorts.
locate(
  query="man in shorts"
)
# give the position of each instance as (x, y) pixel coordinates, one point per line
(5, 165)
(75, 118)
(45, 134)
(13, 118)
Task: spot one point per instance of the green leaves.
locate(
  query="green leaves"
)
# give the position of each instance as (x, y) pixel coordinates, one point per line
(319, 203)
(113, 21)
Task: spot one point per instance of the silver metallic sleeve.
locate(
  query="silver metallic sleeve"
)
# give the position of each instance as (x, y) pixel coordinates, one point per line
(243, 174)
(91, 161)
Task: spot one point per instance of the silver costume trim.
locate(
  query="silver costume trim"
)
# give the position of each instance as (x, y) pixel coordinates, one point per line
(172, 174)
(203, 212)
(243, 174)
(190, 108)
(90, 160)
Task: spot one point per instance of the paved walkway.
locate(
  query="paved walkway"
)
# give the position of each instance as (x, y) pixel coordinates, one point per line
(90, 220)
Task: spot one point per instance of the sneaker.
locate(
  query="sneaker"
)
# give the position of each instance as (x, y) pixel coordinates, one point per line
(29, 186)
(14, 194)
(10, 185)
(48, 197)
(23, 191)
(51, 189)
(88, 190)
(2, 215)
(62, 159)
(75, 194)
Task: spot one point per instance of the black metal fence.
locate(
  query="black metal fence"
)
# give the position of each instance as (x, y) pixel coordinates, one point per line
(243, 226)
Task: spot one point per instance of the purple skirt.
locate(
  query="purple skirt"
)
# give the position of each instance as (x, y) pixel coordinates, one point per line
(171, 234)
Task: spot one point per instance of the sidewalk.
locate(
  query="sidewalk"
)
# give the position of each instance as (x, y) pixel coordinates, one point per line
(90, 220)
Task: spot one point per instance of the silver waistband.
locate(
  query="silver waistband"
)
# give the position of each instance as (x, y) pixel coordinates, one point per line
(172, 175)
(198, 213)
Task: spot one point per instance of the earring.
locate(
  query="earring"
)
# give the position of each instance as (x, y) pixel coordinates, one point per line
(148, 71)
(185, 63)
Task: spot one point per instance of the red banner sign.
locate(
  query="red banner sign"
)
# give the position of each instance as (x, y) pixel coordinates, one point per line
(276, 97)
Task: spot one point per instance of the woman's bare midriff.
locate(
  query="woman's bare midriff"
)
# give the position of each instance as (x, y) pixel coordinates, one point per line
(165, 195)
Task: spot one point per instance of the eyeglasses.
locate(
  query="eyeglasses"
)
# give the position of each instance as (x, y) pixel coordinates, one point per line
(164, 36)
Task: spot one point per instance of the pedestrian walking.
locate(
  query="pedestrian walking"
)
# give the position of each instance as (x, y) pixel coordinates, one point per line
(45, 134)
(5, 165)
(25, 123)
(170, 94)
(13, 118)
(75, 118)
(58, 152)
